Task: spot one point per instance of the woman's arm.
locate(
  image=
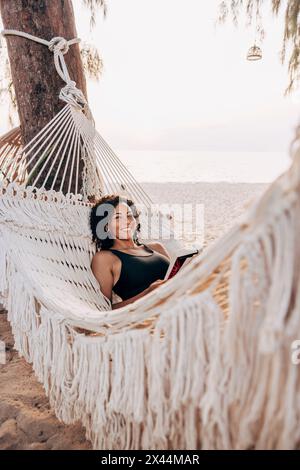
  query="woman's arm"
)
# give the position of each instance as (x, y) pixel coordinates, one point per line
(103, 272)
(130, 300)
(150, 288)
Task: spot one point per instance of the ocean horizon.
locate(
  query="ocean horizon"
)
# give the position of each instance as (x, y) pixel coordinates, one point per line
(204, 166)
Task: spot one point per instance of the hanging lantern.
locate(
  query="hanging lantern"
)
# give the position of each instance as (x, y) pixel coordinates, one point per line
(254, 53)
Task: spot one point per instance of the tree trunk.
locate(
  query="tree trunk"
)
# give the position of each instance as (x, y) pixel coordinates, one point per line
(36, 81)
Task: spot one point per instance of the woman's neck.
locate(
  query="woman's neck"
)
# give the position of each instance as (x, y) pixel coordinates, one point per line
(124, 244)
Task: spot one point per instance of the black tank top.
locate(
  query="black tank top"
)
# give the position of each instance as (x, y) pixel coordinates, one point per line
(138, 272)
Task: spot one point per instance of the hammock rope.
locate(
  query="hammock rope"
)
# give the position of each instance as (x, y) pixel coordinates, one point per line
(59, 46)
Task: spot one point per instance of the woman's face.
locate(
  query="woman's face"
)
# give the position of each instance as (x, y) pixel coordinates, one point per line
(122, 224)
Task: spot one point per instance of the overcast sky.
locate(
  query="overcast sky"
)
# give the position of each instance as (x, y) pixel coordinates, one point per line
(172, 81)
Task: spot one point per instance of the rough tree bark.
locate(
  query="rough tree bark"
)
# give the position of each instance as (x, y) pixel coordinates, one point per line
(34, 76)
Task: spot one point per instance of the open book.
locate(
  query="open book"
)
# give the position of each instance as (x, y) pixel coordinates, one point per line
(182, 258)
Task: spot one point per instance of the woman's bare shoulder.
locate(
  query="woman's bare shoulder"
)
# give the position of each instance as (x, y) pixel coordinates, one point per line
(157, 246)
(103, 256)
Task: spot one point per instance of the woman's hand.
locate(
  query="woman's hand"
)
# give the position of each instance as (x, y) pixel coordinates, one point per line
(152, 286)
(156, 284)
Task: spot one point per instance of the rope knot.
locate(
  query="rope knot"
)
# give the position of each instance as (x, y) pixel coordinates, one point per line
(59, 44)
(70, 86)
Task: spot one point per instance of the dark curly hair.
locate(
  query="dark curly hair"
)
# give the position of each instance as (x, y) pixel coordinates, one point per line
(113, 200)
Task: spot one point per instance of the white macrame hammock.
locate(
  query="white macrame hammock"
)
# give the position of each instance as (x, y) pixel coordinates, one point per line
(202, 362)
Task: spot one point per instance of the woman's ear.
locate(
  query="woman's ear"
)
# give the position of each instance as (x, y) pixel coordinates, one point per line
(106, 231)
(135, 235)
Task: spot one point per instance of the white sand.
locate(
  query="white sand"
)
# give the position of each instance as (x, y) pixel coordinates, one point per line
(26, 422)
(223, 203)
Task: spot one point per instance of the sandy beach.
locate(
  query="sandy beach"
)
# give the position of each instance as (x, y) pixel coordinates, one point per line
(223, 202)
(26, 421)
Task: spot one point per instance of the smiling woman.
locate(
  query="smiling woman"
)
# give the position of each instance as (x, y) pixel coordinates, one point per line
(103, 214)
(123, 264)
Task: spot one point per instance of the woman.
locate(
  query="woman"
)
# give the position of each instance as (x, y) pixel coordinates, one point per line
(123, 264)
